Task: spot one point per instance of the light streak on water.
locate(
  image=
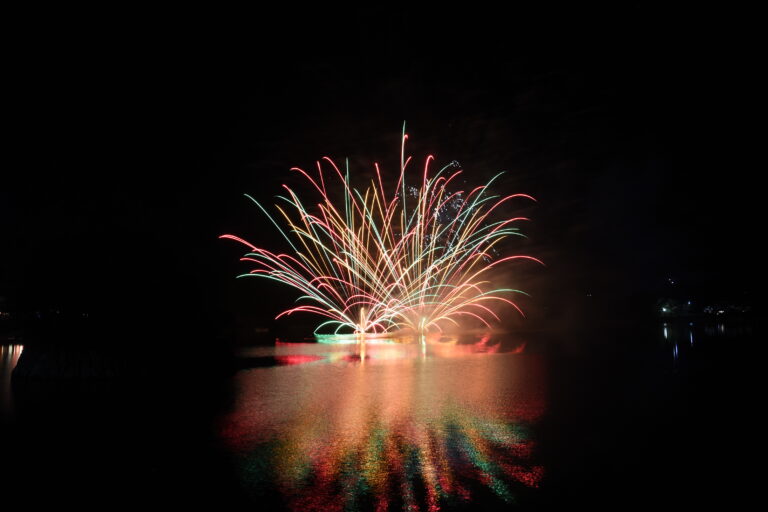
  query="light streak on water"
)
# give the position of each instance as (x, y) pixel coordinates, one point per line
(408, 432)
(9, 356)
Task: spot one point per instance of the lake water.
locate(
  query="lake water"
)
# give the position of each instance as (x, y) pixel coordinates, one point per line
(404, 427)
(645, 417)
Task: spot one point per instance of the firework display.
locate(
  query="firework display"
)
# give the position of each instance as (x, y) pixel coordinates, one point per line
(415, 259)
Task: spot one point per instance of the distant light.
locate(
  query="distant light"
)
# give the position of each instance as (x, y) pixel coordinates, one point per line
(689, 303)
(663, 310)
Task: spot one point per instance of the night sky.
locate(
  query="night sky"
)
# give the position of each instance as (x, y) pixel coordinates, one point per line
(134, 141)
(131, 137)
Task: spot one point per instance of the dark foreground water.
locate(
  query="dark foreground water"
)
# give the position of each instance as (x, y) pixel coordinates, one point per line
(649, 417)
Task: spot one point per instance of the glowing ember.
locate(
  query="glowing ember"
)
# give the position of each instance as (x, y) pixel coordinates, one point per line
(416, 260)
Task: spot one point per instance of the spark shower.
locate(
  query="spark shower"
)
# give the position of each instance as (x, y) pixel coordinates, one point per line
(414, 260)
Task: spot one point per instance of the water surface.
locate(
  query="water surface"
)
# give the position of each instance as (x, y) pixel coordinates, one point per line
(650, 416)
(388, 427)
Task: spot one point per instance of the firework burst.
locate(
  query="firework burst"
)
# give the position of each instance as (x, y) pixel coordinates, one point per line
(416, 259)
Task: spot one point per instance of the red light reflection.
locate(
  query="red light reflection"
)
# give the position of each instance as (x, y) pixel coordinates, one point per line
(413, 434)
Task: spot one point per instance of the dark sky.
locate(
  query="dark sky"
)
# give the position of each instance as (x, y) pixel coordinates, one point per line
(134, 141)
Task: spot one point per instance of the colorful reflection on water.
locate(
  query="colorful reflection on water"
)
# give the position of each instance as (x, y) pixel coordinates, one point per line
(9, 356)
(398, 427)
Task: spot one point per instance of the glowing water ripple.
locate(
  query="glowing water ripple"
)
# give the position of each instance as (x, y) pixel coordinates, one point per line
(402, 434)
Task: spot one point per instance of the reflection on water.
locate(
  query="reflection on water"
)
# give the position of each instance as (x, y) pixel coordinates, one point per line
(9, 356)
(681, 337)
(396, 427)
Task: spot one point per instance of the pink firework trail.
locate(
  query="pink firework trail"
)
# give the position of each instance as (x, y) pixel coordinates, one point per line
(416, 259)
